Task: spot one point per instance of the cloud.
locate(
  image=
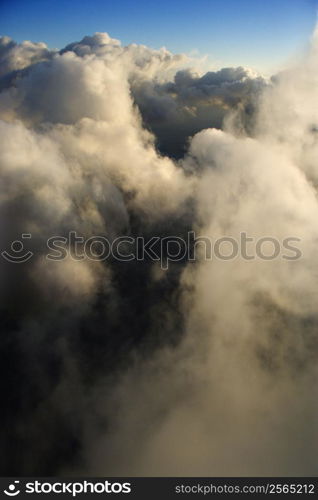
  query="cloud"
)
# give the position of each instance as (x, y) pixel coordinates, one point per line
(206, 368)
(178, 109)
(16, 56)
(75, 157)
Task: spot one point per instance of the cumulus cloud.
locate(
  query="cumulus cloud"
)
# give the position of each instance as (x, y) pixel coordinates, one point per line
(16, 56)
(75, 157)
(206, 368)
(178, 109)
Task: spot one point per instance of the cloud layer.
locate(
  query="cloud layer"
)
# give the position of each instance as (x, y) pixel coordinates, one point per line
(207, 368)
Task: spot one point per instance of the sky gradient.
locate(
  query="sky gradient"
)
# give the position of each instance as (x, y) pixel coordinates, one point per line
(256, 33)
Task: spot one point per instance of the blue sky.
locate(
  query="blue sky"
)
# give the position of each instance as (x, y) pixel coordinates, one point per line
(257, 33)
